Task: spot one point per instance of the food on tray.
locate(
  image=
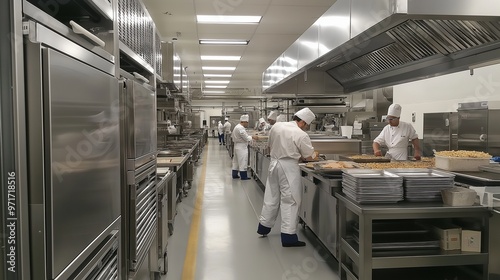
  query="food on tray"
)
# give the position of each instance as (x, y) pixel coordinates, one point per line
(398, 164)
(463, 154)
(364, 157)
(335, 165)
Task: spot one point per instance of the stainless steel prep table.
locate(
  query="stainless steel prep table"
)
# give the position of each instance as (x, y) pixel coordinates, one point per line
(361, 256)
(319, 207)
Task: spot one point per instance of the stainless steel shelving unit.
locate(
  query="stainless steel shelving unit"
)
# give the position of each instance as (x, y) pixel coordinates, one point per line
(361, 255)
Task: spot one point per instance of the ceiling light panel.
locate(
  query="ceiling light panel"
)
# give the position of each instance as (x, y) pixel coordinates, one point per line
(223, 42)
(218, 68)
(217, 82)
(218, 75)
(221, 57)
(213, 86)
(218, 19)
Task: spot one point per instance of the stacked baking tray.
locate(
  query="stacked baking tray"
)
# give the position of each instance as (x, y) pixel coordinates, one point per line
(422, 184)
(372, 186)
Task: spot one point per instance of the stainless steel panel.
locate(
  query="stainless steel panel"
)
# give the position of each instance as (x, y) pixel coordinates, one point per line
(308, 46)
(335, 21)
(328, 221)
(494, 247)
(365, 14)
(41, 34)
(473, 130)
(105, 263)
(290, 60)
(494, 132)
(454, 7)
(140, 110)
(82, 154)
(440, 132)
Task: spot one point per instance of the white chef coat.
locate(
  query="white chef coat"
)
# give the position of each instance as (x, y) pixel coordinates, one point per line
(240, 139)
(227, 127)
(220, 128)
(288, 144)
(396, 139)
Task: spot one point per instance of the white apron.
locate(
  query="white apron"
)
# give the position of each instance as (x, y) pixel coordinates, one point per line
(240, 158)
(283, 190)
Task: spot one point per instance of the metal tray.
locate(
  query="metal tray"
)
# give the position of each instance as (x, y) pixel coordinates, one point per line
(410, 173)
(366, 160)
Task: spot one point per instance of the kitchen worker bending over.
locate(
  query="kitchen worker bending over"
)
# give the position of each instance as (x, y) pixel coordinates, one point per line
(240, 139)
(288, 143)
(396, 136)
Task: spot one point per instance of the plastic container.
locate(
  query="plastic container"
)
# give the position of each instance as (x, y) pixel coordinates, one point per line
(346, 131)
(458, 196)
(460, 164)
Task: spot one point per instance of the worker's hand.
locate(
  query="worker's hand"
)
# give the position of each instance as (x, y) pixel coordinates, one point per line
(417, 155)
(378, 153)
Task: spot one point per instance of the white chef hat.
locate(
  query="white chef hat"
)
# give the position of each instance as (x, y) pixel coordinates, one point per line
(262, 120)
(394, 110)
(273, 115)
(226, 119)
(244, 118)
(306, 115)
(220, 122)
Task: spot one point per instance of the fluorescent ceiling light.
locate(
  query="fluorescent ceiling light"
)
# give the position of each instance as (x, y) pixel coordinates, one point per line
(216, 82)
(220, 57)
(216, 86)
(218, 75)
(217, 68)
(217, 19)
(214, 91)
(223, 42)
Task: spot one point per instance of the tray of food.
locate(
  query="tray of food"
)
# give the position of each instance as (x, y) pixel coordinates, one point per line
(461, 160)
(332, 166)
(398, 164)
(366, 158)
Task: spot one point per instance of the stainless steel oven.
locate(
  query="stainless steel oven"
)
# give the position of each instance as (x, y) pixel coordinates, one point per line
(73, 152)
(139, 106)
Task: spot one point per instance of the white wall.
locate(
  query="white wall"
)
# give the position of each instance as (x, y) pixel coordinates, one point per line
(442, 94)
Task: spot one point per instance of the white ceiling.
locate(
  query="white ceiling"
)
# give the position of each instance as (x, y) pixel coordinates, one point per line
(283, 21)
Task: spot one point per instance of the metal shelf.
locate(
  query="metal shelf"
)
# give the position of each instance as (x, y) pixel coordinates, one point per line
(367, 260)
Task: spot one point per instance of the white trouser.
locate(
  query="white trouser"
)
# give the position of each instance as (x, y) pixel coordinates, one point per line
(283, 190)
(240, 158)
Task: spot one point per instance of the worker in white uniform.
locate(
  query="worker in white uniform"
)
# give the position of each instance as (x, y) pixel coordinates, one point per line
(220, 130)
(281, 118)
(261, 125)
(240, 139)
(271, 119)
(289, 143)
(396, 136)
(227, 129)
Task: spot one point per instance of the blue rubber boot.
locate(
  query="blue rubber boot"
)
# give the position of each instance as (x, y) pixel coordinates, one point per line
(291, 240)
(244, 175)
(235, 174)
(263, 230)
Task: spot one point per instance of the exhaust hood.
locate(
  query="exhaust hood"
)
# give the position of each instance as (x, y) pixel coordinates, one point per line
(407, 40)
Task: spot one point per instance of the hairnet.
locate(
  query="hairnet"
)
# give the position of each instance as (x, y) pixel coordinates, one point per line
(394, 110)
(262, 120)
(244, 118)
(273, 115)
(306, 115)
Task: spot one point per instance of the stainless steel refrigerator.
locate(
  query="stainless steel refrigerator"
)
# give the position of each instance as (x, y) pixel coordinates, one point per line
(478, 128)
(440, 132)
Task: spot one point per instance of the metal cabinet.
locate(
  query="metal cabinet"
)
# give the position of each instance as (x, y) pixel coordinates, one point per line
(358, 261)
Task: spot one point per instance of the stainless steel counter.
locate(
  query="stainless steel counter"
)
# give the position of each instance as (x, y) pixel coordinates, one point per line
(319, 209)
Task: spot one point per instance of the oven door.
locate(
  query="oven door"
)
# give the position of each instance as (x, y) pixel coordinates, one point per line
(140, 123)
(74, 152)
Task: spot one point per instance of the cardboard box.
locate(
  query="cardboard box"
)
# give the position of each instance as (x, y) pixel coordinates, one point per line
(449, 236)
(471, 241)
